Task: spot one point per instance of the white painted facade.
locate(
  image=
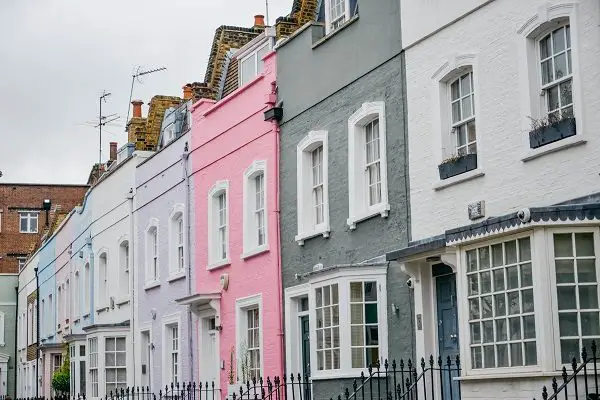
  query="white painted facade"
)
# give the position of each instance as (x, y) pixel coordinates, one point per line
(498, 42)
(493, 41)
(27, 377)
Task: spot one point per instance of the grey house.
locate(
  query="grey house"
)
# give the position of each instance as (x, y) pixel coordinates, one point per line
(343, 193)
(8, 319)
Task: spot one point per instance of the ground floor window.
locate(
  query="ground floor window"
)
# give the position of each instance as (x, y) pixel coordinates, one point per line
(173, 347)
(93, 361)
(115, 364)
(249, 341)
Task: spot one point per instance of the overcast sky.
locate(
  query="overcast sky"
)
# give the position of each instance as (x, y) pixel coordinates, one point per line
(57, 56)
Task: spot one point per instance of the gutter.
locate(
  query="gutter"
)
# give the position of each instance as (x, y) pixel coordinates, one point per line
(184, 158)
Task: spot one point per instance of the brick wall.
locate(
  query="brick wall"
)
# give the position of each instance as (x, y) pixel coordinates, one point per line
(14, 197)
(144, 132)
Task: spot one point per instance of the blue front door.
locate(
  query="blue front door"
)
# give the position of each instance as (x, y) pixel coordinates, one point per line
(447, 333)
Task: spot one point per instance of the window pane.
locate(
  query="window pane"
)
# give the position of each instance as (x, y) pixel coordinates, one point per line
(526, 275)
(499, 279)
(476, 360)
(512, 277)
(586, 270)
(569, 349)
(584, 244)
(553, 100)
(484, 257)
(356, 291)
(501, 333)
(524, 249)
(558, 40)
(474, 309)
(456, 112)
(563, 245)
(560, 66)
(500, 304)
(588, 297)
(371, 313)
(529, 327)
(516, 354)
(568, 324)
(488, 331)
(510, 249)
(514, 325)
(486, 282)
(502, 350)
(545, 47)
(466, 107)
(566, 298)
(486, 307)
(565, 271)
(590, 323)
(530, 353)
(527, 300)
(473, 284)
(455, 90)
(356, 314)
(547, 72)
(248, 69)
(497, 259)
(471, 260)
(489, 357)
(471, 132)
(566, 97)
(475, 333)
(513, 303)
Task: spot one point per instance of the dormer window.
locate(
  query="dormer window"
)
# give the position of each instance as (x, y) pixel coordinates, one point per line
(337, 12)
(252, 64)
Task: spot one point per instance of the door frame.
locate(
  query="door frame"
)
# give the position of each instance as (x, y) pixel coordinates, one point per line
(293, 356)
(203, 317)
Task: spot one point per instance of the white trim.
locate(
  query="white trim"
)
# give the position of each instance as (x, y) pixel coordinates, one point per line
(122, 240)
(2, 329)
(166, 322)
(328, 28)
(251, 246)
(217, 189)
(37, 226)
(100, 301)
(455, 180)
(358, 192)
(177, 211)
(306, 228)
(293, 354)
(241, 306)
(153, 223)
(253, 53)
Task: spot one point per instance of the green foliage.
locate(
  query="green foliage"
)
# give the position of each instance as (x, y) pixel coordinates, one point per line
(61, 379)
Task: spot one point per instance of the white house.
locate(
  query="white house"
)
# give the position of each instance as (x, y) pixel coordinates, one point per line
(503, 129)
(27, 363)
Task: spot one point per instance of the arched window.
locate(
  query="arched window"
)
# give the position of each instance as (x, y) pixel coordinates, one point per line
(255, 208)
(218, 225)
(124, 268)
(177, 236)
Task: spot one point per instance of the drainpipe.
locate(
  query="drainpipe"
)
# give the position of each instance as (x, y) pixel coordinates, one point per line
(16, 343)
(184, 158)
(37, 333)
(132, 306)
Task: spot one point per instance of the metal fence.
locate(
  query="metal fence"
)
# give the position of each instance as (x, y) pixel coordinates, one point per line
(294, 387)
(581, 383)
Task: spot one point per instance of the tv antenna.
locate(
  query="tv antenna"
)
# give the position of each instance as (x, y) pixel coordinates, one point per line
(136, 77)
(267, 11)
(103, 120)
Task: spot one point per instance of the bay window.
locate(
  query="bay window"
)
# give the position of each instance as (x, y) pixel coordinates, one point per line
(115, 364)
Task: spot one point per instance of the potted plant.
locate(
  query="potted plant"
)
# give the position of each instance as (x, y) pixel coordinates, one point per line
(61, 379)
(456, 165)
(551, 129)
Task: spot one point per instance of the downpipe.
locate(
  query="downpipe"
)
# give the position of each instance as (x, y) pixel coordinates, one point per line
(184, 159)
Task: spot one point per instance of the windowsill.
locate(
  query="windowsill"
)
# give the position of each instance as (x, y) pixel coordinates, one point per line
(175, 276)
(86, 316)
(152, 285)
(218, 264)
(102, 309)
(335, 32)
(76, 321)
(563, 144)
(302, 237)
(58, 331)
(382, 209)
(254, 252)
(122, 301)
(467, 176)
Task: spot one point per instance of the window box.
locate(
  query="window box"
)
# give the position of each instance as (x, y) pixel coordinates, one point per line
(457, 166)
(552, 133)
(275, 113)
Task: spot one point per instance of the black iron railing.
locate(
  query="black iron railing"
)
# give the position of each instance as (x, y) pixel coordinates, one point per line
(581, 383)
(407, 381)
(293, 388)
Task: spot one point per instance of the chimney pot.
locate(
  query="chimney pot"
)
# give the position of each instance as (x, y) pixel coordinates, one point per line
(113, 151)
(137, 108)
(259, 21)
(187, 92)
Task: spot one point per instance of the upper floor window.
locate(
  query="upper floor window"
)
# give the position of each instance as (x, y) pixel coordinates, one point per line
(255, 224)
(177, 240)
(462, 102)
(124, 268)
(76, 296)
(87, 284)
(336, 13)
(22, 261)
(312, 170)
(252, 64)
(152, 267)
(557, 73)
(1, 328)
(218, 228)
(103, 279)
(28, 222)
(367, 181)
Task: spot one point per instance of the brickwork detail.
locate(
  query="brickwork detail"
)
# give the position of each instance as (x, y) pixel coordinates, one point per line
(144, 132)
(15, 197)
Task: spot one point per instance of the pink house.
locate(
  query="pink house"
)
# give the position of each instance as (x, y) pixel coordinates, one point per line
(237, 300)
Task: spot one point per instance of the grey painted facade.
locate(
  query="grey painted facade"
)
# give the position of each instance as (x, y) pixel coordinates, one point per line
(8, 309)
(162, 195)
(322, 81)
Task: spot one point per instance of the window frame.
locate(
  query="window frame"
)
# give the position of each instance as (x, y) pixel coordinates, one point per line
(549, 236)
(359, 208)
(218, 189)
(375, 273)
(253, 54)
(124, 267)
(87, 283)
(177, 216)
(2, 329)
(251, 246)
(29, 214)
(22, 262)
(242, 306)
(114, 367)
(307, 228)
(103, 297)
(168, 322)
(456, 125)
(152, 254)
(328, 23)
(93, 365)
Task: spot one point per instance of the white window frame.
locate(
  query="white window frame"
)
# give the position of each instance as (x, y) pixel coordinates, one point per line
(77, 296)
(167, 322)
(124, 265)
(87, 283)
(358, 193)
(27, 214)
(307, 228)
(93, 366)
(343, 278)
(177, 243)
(242, 80)
(242, 306)
(554, 295)
(455, 126)
(152, 254)
(22, 262)
(115, 367)
(2, 333)
(331, 26)
(535, 27)
(219, 188)
(251, 246)
(103, 281)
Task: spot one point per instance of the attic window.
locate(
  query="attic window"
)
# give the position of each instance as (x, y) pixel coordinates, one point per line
(252, 64)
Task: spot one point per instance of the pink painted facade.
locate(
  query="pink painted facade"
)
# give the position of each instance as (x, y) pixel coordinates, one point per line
(228, 138)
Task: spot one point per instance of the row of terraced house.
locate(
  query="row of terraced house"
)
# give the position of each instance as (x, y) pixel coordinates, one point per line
(362, 181)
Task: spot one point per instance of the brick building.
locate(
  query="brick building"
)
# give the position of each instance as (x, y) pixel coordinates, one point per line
(23, 219)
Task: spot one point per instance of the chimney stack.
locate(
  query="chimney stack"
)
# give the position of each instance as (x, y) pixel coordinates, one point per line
(259, 21)
(113, 151)
(187, 92)
(137, 108)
